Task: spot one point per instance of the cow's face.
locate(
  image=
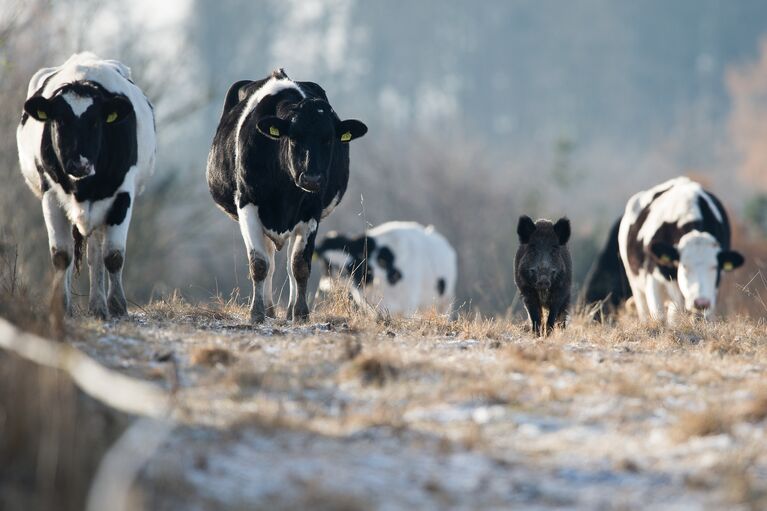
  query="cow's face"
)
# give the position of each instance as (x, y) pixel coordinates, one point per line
(310, 132)
(78, 116)
(347, 258)
(699, 260)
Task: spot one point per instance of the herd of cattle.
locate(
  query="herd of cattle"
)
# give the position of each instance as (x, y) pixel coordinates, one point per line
(279, 164)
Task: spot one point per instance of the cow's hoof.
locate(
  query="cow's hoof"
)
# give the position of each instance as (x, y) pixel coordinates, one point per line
(271, 311)
(98, 310)
(118, 307)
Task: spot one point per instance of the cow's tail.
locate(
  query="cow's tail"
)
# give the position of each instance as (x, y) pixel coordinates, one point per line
(80, 242)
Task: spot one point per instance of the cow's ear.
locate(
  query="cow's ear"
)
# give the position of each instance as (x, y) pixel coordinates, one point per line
(273, 127)
(562, 229)
(664, 254)
(350, 129)
(39, 108)
(117, 109)
(525, 229)
(730, 259)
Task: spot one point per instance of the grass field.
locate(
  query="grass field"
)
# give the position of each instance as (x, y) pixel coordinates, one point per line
(354, 412)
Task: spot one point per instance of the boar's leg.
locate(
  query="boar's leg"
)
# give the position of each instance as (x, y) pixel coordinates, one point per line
(533, 307)
(557, 314)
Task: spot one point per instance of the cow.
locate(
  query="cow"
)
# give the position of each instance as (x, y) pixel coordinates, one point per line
(674, 242)
(279, 163)
(87, 145)
(543, 271)
(607, 286)
(402, 268)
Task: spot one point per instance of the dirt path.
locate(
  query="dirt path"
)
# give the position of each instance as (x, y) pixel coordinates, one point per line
(434, 415)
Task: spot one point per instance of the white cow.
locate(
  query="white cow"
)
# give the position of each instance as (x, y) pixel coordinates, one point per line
(400, 267)
(674, 242)
(86, 146)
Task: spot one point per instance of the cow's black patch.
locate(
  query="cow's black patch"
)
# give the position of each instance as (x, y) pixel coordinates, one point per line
(607, 280)
(385, 260)
(119, 209)
(113, 261)
(441, 286)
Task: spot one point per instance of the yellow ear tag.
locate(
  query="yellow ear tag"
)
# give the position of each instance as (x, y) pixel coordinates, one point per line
(42, 115)
(315, 256)
(274, 131)
(346, 136)
(728, 266)
(112, 117)
(664, 259)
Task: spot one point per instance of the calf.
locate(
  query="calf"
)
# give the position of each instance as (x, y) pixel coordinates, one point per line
(543, 270)
(279, 163)
(401, 267)
(674, 243)
(86, 145)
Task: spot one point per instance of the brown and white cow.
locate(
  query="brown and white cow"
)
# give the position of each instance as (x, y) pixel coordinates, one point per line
(674, 242)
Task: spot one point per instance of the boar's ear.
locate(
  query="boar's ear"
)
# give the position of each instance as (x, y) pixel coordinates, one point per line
(664, 254)
(525, 229)
(562, 228)
(729, 260)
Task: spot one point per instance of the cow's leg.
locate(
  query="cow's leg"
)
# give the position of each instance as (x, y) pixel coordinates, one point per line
(640, 302)
(675, 307)
(269, 309)
(60, 243)
(291, 282)
(655, 296)
(258, 259)
(97, 301)
(113, 251)
(300, 266)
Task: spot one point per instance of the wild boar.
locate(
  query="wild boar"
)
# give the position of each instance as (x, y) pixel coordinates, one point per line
(543, 271)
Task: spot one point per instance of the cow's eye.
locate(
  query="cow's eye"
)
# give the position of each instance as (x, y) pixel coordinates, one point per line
(327, 141)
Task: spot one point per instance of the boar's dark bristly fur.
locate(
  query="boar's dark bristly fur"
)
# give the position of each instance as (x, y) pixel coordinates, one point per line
(543, 270)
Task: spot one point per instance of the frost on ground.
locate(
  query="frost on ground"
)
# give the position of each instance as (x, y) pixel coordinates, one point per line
(429, 414)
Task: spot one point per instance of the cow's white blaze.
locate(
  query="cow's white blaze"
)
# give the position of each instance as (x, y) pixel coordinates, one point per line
(78, 104)
(271, 87)
(698, 268)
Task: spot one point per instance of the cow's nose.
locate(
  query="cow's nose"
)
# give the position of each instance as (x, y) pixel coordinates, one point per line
(544, 282)
(310, 182)
(702, 304)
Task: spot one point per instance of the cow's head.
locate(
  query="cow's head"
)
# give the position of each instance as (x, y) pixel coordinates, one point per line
(79, 114)
(311, 130)
(699, 261)
(346, 258)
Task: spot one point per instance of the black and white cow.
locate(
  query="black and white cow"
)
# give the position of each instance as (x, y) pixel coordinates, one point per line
(86, 146)
(278, 165)
(401, 267)
(674, 242)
